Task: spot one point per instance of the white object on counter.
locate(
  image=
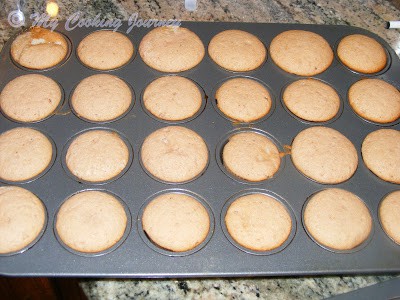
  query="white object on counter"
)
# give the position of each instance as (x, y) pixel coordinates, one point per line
(190, 5)
(392, 24)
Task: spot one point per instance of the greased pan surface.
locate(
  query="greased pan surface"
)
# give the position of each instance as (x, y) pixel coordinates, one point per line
(218, 256)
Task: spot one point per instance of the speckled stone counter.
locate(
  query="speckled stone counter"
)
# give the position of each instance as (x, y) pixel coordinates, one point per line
(371, 15)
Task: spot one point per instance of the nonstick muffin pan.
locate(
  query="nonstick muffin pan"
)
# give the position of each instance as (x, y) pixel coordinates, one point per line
(218, 255)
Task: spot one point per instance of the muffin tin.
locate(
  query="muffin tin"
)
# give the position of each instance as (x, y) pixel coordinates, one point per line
(218, 256)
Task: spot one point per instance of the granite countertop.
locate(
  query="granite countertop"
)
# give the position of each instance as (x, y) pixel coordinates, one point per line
(369, 14)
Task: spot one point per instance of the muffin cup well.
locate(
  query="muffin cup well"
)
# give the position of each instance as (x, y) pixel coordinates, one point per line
(108, 250)
(225, 139)
(171, 122)
(146, 239)
(107, 70)
(266, 193)
(238, 72)
(388, 58)
(49, 166)
(263, 118)
(133, 101)
(31, 244)
(72, 138)
(323, 183)
(323, 123)
(61, 63)
(170, 182)
(364, 119)
(353, 250)
(54, 112)
(380, 220)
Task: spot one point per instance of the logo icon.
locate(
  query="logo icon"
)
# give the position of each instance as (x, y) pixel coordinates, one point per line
(16, 18)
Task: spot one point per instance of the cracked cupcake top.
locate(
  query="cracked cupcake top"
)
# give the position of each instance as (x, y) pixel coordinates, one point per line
(39, 48)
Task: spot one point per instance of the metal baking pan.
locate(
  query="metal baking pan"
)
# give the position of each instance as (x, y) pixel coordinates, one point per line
(218, 256)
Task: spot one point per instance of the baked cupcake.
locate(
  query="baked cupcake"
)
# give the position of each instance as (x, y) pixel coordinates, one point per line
(251, 156)
(172, 98)
(375, 100)
(39, 48)
(171, 49)
(174, 154)
(301, 52)
(381, 154)
(91, 221)
(337, 219)
(311, 100)
(105, 50)
(176, 222)
(237, 50)
(30, 98)
(97, 156)
(243, 100)
(101, 98)
(362, 54)
(25, 153)
(22, 219)
(258, 222)
(389, 215)
(324, 155)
